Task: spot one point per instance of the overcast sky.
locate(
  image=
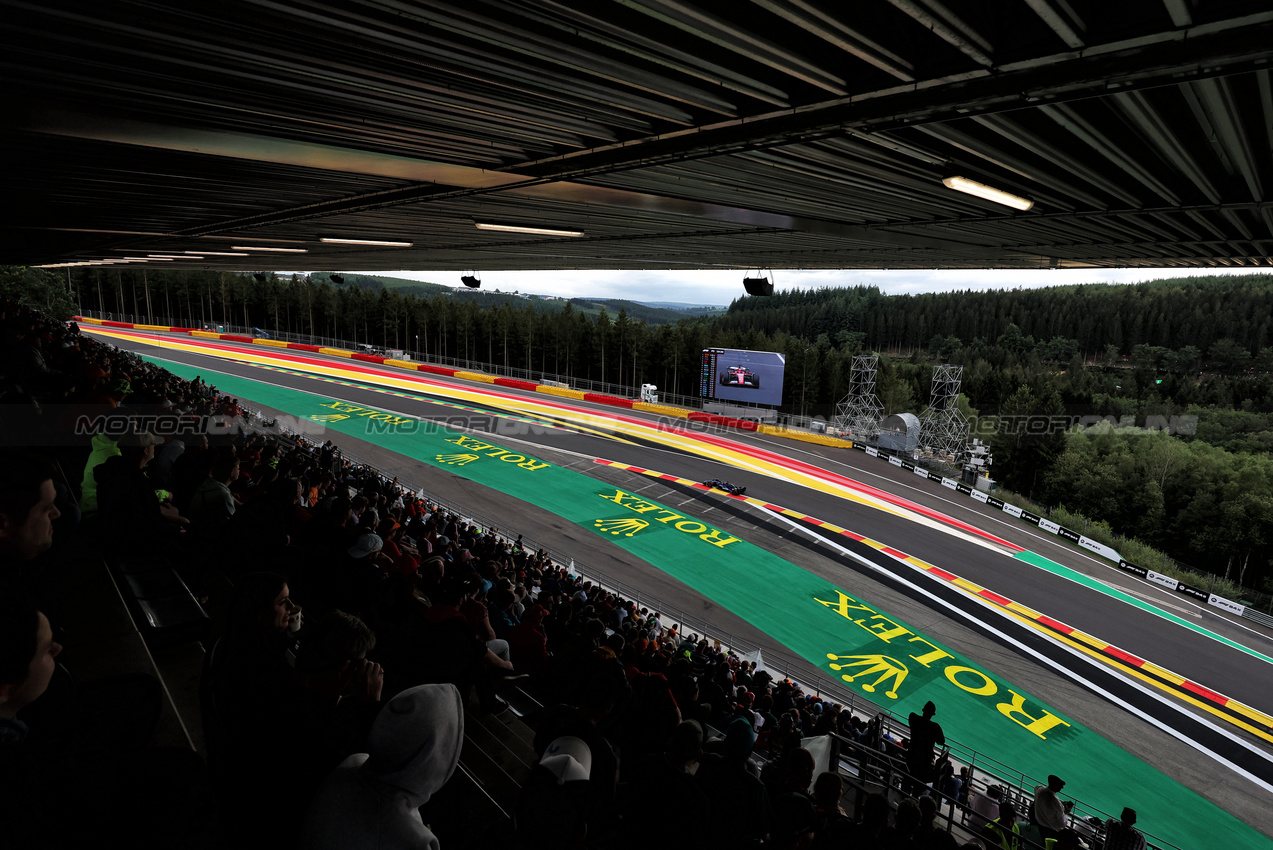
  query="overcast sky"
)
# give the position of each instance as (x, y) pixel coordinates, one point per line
(721, 287)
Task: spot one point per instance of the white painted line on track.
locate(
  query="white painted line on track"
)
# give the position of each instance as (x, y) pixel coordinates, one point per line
(1057, 666)
(1154, 598)
(1187, 612)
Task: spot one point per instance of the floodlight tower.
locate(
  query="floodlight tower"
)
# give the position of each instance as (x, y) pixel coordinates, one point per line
(860, 412)
(942, 428)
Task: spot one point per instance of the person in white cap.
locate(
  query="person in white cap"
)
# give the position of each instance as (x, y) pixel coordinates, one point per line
(552, 809)
(366, 546)
(372, 800)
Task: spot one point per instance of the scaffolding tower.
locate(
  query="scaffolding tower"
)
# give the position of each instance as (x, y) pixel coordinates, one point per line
(860, 412)
(943, 430)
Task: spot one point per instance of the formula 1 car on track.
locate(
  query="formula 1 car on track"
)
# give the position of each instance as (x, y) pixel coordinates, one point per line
(731, 489)
(740, 376)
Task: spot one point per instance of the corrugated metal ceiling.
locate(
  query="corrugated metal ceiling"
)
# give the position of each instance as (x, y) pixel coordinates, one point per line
(769, 133)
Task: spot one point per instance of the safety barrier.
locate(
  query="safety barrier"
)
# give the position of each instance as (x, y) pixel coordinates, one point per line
(1093, 546)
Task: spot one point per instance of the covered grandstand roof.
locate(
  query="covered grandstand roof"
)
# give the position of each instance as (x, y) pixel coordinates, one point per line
(660, 133)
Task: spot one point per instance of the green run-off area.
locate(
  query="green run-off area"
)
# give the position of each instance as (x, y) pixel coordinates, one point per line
(877, 656)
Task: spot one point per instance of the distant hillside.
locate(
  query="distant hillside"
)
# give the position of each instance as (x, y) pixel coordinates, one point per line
(1173, 313)
(686, 306)
(664, 313)
(375, 283)
(637, 310)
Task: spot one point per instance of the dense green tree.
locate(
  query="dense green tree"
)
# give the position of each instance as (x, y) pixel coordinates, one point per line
(37, 288)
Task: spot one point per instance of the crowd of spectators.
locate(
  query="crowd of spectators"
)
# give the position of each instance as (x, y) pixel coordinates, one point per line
(354, 624)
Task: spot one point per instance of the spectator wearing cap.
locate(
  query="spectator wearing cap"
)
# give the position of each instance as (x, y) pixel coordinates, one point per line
(131, 515)
(553, 808)
(1122, 834)
(360, 570)
(404, 559)
(1049, 811)
(603, 690)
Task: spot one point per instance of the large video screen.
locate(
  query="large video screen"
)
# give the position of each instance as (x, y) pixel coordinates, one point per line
(731, 374)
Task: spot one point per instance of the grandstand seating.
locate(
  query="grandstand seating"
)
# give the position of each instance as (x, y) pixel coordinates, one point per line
(616, 669)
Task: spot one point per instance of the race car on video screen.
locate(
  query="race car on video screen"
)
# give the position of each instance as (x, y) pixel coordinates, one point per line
(731, 489)
(740, 376)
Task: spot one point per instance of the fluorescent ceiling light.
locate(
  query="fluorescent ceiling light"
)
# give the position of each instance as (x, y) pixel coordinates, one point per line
(276, 250)
(513, 228)
(146, 259)
(217, 253)
(175, 256)
(384, 242)
(989, 193)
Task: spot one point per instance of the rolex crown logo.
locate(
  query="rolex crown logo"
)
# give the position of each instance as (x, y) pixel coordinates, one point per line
(871, 665)
(627, 527)
(456, 460)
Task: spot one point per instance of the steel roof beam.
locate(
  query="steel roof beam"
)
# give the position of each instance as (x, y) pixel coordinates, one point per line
(1135, 106)
(997, 157)
(614, 37)
(1227, 49)
(1069, 118)
(1218, 102)
(1179, 11)
(950, 30)
(730, 36)
(835, 32)
(1066, 26)
(1014, 132)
